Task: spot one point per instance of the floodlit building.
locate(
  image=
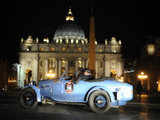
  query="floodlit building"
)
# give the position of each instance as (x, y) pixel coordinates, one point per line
(149, 64)
(67, 52)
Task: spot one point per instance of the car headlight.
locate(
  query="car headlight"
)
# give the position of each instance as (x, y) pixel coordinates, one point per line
(125, 93)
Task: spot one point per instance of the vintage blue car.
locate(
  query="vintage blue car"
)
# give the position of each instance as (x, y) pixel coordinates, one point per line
(100, 94)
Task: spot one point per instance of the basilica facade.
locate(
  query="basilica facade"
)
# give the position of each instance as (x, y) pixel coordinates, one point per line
(67, 52)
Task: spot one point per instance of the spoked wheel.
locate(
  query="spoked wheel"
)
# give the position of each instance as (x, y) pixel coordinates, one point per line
(99, 101)
(27, 99)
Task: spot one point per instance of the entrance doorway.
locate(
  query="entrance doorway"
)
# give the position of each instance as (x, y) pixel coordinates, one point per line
(28, 76)
(71, 67)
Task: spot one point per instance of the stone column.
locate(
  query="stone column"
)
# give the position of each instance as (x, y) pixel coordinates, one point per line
(59, 67)
(37, 59)
(76, 64)
(96, 70)
(83, 62)
(46, 66)
(86, 63)
(120, 68)
(66, 67)
(107, 67)
(35, 70)
(55, 65)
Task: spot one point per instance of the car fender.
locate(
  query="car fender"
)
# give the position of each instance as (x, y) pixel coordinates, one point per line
(99, 88)
(37, 91)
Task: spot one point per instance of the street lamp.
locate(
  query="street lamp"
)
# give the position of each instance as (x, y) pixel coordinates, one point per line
(142, 76)
(146, 84)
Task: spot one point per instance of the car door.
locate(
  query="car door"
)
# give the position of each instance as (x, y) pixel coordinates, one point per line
(74, 92)
(46, 88)
(57, 90)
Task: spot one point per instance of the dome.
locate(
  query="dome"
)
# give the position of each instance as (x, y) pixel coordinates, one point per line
(69, 30)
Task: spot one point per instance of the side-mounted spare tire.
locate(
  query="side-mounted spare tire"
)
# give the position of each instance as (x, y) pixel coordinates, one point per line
(27, 99)
(99, 101)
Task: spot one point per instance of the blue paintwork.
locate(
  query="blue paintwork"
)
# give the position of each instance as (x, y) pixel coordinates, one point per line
(55, 90)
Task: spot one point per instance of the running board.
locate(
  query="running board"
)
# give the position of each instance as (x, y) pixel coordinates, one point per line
(71, 103)
(115, 106)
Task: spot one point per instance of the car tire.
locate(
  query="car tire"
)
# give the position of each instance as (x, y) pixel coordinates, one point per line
(99, 101)
(27, 99)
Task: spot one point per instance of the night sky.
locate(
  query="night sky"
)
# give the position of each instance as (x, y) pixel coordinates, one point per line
(129, 20)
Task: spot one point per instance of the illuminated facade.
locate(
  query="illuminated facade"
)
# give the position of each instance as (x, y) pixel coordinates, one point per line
(68, 51)
(149, 63)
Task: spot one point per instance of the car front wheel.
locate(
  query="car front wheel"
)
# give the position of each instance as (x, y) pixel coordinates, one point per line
(99, 101)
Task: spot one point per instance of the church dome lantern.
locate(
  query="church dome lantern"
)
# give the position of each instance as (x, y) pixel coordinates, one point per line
(69, 32)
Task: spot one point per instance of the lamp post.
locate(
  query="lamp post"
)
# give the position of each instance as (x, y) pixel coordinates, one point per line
(142, 76)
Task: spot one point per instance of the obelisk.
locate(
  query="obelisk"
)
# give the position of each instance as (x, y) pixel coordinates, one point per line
(91, 50)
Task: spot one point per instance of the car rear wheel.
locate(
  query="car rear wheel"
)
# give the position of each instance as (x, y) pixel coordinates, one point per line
(27, 99)
(99, 101)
